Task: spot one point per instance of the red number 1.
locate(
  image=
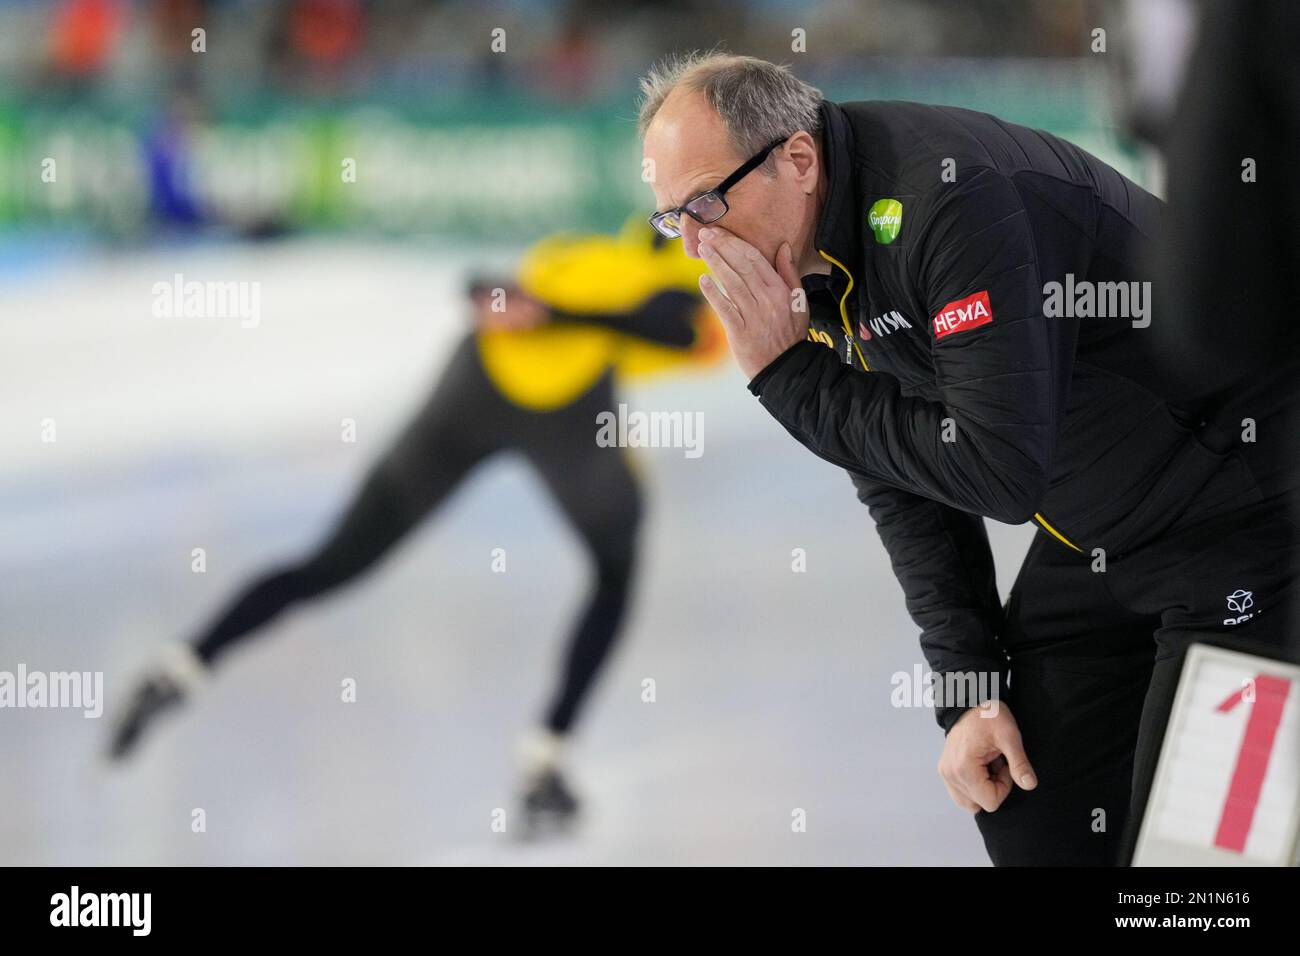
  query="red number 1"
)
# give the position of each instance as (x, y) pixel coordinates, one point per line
(1252, 759)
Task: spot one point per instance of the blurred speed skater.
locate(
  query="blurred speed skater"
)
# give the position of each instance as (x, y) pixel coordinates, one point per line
(540, 365)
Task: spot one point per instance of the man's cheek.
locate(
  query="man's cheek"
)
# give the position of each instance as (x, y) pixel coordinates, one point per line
(763, 245)
(752, 236)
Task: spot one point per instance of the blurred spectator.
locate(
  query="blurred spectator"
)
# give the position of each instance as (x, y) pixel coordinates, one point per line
(82, 36)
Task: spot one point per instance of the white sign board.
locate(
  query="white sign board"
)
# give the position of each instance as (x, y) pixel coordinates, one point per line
(1227, 788)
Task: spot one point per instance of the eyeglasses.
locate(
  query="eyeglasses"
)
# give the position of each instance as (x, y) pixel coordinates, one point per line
(709, 206)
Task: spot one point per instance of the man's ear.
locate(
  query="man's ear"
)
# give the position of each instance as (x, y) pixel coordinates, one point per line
(801, 150)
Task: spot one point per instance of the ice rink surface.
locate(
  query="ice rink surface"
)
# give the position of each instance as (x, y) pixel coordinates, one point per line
(773, 688)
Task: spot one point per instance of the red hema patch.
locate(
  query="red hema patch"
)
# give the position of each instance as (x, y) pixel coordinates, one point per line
(963, 315)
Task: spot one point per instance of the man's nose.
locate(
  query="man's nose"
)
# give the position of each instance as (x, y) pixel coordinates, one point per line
(691, 237)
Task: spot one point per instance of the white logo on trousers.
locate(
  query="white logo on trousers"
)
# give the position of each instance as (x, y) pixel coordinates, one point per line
(1240, 601)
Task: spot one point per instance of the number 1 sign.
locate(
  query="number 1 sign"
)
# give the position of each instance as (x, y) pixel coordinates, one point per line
(1227, 788)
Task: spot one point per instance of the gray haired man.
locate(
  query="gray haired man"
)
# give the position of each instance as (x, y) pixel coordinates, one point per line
(884, 272)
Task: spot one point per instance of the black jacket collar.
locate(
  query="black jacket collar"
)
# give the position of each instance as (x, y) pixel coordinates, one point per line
(839, 228)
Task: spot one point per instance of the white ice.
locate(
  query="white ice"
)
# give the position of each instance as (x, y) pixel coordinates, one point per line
(773, 687)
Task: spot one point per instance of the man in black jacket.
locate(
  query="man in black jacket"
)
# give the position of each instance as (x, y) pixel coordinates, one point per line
(983, 292)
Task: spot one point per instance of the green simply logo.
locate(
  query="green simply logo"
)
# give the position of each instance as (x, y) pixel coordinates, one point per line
(885, 218)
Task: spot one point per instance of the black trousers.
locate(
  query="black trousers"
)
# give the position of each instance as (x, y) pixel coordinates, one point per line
(1096, 655)
(464, 422)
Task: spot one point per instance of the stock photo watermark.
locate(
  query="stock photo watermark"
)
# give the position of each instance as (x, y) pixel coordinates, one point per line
(923, 688)
(194, 299)
(66, 690)
(1084, 299)
(81, 909)
(639, 429)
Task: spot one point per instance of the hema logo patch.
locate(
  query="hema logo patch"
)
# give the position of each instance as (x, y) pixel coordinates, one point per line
(963, 315)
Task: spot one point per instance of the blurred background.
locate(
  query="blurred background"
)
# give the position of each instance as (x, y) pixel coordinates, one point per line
(133, 149)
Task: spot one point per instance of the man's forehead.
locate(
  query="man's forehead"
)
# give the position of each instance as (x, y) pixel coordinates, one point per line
(688, 143)
(689, 183)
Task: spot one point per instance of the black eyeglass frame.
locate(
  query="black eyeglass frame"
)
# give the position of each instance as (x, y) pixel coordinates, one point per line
(718, 192)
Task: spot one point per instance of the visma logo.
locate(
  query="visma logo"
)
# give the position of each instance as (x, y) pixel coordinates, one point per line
(1240, 601)
(891, 321)
(885, 217)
